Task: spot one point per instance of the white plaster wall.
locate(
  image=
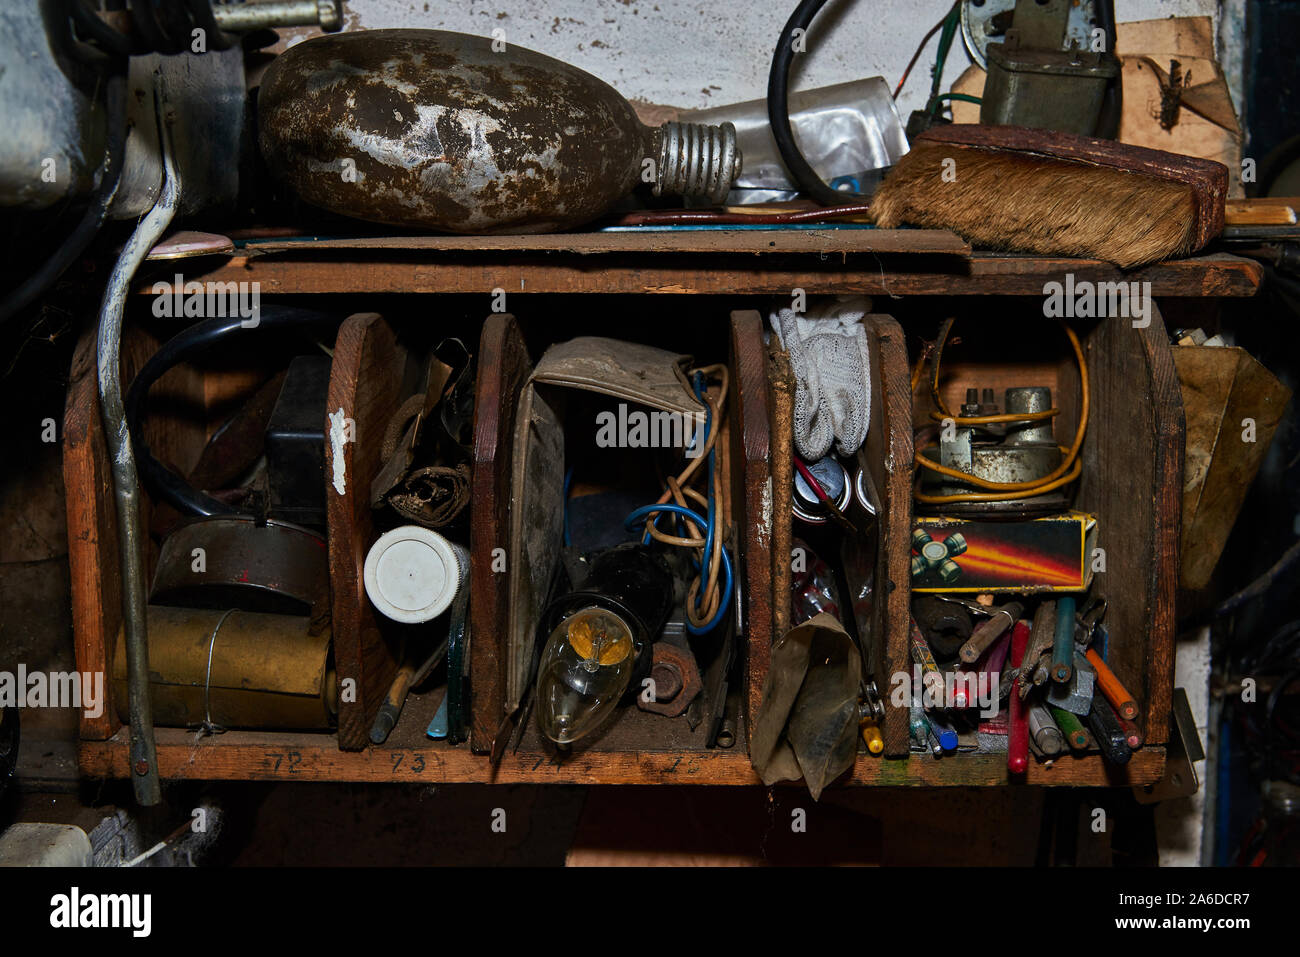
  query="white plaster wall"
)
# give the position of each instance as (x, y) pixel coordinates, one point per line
(699, 53)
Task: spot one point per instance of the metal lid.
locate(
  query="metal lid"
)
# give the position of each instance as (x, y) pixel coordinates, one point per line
(834, 480)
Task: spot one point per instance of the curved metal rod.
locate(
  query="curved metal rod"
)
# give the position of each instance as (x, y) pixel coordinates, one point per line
(126, 489)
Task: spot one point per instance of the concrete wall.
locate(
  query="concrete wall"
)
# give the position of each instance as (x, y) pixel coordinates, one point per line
(700, 53)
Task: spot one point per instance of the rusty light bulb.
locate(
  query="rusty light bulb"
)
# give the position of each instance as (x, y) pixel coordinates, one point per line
(464, 134)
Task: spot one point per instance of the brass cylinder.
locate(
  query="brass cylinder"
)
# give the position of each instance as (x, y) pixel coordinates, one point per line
(267, 671)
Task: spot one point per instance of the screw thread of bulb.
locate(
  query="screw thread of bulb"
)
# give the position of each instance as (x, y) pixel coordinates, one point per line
(697, 160)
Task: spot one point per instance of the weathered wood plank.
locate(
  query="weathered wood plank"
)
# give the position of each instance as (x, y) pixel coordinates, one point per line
(503, 367)
(352, 271)
(365, 381)
(262, 756)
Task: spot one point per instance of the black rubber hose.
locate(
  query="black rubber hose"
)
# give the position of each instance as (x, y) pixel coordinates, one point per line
(170, 18)
(72, 248)
(778, 111)
(93, 28)
(161, 481)
(146, 25)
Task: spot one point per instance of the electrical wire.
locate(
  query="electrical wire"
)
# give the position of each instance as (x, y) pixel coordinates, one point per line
(920, 48)
(964, 97)
(649, 512)
(709, 593)
(1071, 466)
(778, 111)
(950, 24)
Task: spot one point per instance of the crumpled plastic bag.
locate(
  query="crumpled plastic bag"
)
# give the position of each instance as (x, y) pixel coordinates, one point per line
(807, 724)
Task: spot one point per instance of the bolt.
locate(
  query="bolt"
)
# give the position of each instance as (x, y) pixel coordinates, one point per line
(142, 767)
(668, 680)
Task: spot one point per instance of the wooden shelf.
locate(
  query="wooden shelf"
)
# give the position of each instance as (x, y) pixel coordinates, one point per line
(411, 757)
(713, 262)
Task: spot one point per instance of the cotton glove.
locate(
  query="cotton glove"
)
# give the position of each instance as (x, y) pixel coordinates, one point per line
(828, 353)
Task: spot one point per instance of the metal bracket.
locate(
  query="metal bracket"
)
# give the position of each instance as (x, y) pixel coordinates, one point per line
(1183, 750)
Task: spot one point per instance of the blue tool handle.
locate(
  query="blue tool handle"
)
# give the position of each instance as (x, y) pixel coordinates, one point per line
(1063, 641)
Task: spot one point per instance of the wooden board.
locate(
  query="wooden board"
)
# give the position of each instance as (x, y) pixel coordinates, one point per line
(458, 271)
(755, 510)
(1132, 481)
(503, 367)
(263, 756)
(365, 382)
(931, 242)
(92, 532)
(889, 443)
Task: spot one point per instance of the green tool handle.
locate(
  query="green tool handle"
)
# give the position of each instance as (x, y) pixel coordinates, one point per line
(1073, 728)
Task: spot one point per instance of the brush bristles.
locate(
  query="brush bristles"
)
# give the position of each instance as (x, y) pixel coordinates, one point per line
(999, 199)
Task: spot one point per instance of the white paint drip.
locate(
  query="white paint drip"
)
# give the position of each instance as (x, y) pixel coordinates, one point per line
(339, 438)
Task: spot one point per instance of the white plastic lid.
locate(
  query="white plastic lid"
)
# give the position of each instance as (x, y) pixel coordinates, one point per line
(411, 574)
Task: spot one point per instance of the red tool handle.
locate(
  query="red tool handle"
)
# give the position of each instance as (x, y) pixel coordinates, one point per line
(1018, 736)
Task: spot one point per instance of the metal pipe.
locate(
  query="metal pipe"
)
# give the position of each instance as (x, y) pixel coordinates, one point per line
(126, 490)
(243, 17)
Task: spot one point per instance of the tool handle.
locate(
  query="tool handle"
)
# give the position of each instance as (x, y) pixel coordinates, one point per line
(1018, 734)
(1047, 736)
(1069, 723)
(921, 653)
(1115, 692)
(1106, 729)
(871, 736)
(943, 731)
(989, 631)
(1133, 734)
(1063, 645)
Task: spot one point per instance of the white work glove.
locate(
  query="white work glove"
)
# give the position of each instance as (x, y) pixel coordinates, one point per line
(828, 353)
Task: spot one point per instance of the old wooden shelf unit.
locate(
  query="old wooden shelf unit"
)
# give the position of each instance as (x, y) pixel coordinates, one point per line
(1135, 431)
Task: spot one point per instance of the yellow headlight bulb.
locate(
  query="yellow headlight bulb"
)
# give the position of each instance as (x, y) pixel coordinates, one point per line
(584, 671)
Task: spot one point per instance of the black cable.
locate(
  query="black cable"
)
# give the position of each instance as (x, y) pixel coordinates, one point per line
(1112, 102)
(778, 111)
(198, 339)
(72, 248)
(1261, 584)
(89, 23)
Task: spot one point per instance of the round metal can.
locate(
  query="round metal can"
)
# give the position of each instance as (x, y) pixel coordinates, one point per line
(834, 480)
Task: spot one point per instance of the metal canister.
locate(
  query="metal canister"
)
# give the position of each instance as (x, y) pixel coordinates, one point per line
(834, 481)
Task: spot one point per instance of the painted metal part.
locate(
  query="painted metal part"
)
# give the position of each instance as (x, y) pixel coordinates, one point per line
(271, 566)
(446, 131)
(986, 21)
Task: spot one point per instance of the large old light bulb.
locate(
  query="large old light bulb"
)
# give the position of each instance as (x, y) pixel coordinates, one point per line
(584, 671)
(436, 130)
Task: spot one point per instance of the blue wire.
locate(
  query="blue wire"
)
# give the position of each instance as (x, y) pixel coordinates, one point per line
(642, 513)
(709, 523)
(711, 513)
